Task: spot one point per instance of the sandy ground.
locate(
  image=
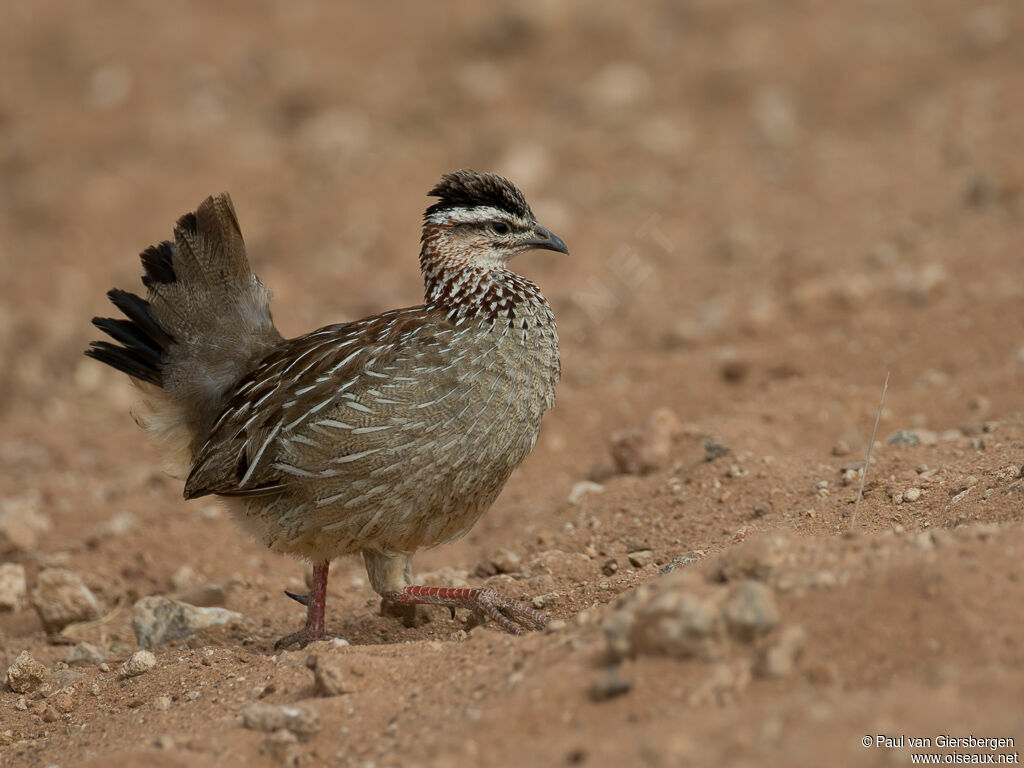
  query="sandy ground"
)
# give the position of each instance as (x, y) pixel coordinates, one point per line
(770, 206)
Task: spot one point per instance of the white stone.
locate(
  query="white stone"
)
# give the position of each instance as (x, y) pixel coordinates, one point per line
(12, 587)
(61, 598)
(138, 663)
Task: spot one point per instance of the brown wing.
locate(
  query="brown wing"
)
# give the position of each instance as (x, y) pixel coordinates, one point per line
(267, 414)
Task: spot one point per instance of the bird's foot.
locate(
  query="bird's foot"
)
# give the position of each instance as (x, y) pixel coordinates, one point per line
(315, 606)
(511, 615)
(300, 639)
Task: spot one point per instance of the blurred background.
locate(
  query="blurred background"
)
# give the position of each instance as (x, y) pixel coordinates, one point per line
(770, 204)
(761, 198)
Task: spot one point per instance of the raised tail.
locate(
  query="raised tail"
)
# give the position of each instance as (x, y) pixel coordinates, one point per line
(204, 324)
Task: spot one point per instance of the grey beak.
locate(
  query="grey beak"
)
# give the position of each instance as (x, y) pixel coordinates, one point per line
(543, 238)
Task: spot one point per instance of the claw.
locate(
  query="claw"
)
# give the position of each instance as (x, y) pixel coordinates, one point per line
(302, 638)
(302, 599)
(511, 615)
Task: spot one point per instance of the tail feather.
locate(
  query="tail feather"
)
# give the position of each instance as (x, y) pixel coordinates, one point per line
(129, 334)
(158, 261)
(145, 343)
(204, 324)
(138, 312)
(124, 359)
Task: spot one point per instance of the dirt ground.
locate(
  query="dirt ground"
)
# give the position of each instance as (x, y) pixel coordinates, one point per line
(770, 206)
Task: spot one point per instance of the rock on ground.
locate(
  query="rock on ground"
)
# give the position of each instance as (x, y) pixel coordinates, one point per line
(85, 653)
(675, 616)
(159, 619)
(750, 612)
(21, 524)
(641, 558)
(26, 673)
(760, 557)
(680, 615)
(328, 676)
(138, 663)
(780, 658)
(12, 587)
(609, 684)
(639, 451)
(60, 598)
(301, 720)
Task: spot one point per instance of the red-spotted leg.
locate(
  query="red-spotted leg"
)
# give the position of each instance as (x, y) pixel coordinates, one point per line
(511, 615)
(315, 603)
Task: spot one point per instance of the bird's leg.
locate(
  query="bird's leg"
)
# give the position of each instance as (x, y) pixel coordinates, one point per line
(511, 615)
(315, 603)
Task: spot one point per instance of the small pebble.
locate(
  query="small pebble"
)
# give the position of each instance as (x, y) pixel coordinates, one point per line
(282, 744)
(582, 489)
(903, 437)
(60, 598)
(21, 524)
(506, 561)
(640, 451)
(540, 602)
(162, 703)
(641, 558)
(675, 616)
(609, 684)
(680, 561)
(714, 449)
(157, 619)
(118, 525)
(138, 663)
(555, 625)
(751, 612)
(184, 577)
(780, 658)
(12, 586)
(912, 494)
(85, 653)
(302, 720)
(329, 678)
(63, 702)
(26, 673)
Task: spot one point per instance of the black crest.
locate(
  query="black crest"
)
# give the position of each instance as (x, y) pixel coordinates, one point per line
(466, 189)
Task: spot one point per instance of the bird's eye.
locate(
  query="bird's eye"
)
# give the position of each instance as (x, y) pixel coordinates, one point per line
(500, 227)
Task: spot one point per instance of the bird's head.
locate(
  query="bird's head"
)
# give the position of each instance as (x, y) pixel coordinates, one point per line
(482, 220)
